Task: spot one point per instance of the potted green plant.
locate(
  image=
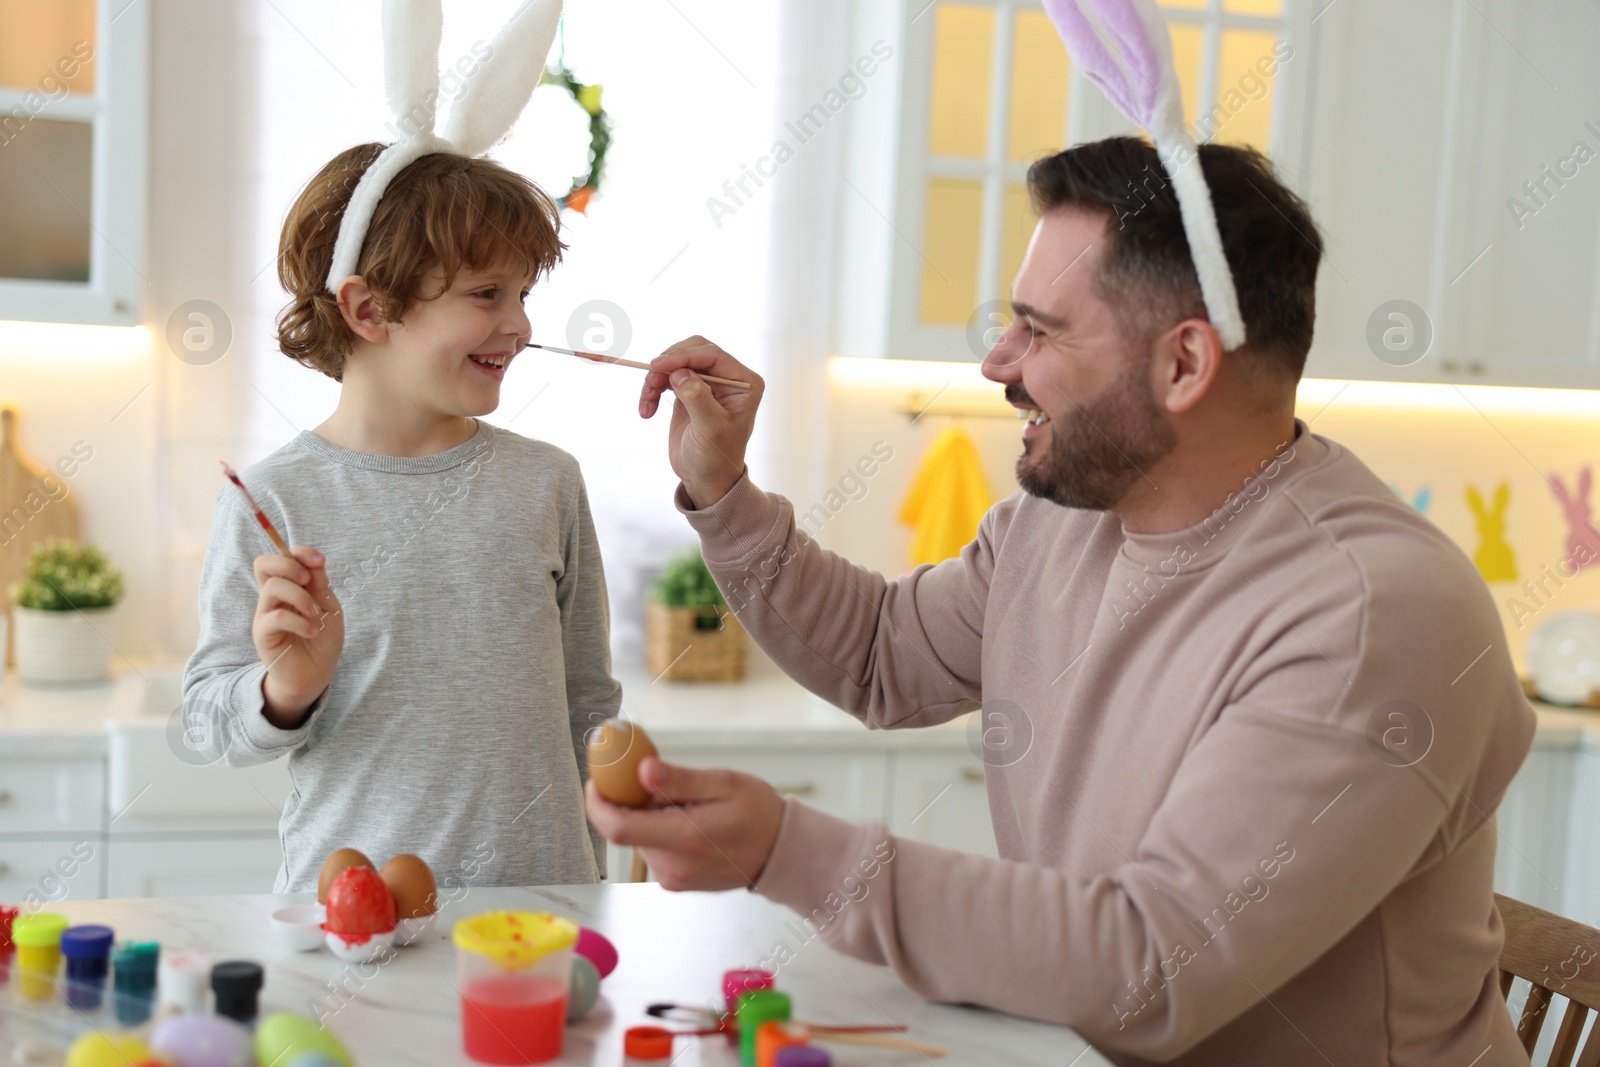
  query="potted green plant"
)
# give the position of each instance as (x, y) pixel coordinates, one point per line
(64, 611)
(690, 634)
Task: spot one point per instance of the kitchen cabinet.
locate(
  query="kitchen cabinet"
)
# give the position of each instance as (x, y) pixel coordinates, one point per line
(194, 864)
(1451, 164)
(52, 796)
(940, 799)
(74, 81)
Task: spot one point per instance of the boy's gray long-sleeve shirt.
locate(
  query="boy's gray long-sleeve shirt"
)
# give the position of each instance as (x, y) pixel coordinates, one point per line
(476, 656)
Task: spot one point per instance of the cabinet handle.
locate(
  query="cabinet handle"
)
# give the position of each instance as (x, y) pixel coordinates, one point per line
(5, 796)
(969, 774)
(804, 789)
(5, 870)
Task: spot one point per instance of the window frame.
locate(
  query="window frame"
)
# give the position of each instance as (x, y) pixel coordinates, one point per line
(117, 111)
(1089, 117)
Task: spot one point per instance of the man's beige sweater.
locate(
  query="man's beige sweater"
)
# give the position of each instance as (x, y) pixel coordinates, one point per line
(1242, 776)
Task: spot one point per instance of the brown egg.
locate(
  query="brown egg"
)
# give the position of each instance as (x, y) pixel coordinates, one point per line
(614, 754)
(336, 864)
(410, 882)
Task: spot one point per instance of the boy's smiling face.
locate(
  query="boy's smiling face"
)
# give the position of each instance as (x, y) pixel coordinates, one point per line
(449, 354)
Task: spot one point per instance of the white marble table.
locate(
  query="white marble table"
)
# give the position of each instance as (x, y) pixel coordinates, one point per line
(673, 946)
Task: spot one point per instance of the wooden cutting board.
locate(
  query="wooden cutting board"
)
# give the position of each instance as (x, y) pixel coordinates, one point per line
(35, 505)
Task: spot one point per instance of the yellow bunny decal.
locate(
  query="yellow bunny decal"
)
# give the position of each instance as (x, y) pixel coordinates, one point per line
(1493, 556)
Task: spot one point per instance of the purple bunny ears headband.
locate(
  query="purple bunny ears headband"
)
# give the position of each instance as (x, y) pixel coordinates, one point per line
(483, 112)
(1141, 80)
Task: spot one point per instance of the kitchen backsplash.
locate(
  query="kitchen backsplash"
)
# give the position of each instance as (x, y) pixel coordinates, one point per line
(1435, 444)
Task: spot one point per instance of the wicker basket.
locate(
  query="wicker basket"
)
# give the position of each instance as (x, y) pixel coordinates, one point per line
(676, 649)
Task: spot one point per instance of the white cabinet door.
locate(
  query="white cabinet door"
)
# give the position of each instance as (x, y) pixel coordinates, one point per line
(45, 796)
(849, 784)
(1582, 883)
(1531, 853)
(942, 800)
(157, 784)
(34, 874)
(1414, 178)
(193, 866)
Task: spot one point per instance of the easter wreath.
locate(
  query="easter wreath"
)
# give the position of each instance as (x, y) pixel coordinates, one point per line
(584, 186)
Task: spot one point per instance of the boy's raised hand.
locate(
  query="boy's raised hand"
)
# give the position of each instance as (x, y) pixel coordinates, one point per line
(298, 632)
(711, 423)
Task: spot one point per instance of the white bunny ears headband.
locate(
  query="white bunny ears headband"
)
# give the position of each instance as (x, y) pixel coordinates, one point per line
(1142, 81)
(483, 112)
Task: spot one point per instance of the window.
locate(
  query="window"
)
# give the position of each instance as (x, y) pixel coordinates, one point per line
(989, 88)
(72, 160)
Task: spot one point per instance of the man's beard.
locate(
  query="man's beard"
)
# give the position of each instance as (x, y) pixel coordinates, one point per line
(1099, 449)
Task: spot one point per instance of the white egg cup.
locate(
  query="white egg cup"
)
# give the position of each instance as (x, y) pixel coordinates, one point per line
(412, 930)
(374, 947)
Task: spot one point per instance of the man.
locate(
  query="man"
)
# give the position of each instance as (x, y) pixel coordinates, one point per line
(1254, 714)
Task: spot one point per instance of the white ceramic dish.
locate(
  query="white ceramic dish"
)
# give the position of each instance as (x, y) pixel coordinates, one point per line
(410, 931)
(1564, 657)
(374, 947)
(299, 928)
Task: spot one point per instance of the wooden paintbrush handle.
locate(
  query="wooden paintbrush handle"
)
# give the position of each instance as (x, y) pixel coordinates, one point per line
(877, 1041)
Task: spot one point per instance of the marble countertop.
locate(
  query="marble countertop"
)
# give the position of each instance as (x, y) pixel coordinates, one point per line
(673, 947)
(768, 707)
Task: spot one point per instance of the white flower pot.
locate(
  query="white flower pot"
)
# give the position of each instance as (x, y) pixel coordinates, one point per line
(64, 647)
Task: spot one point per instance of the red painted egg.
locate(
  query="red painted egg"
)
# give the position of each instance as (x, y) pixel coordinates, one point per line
(359, 903)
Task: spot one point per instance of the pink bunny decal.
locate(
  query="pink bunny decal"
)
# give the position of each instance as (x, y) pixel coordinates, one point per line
(1583, 540)
(1493, 556)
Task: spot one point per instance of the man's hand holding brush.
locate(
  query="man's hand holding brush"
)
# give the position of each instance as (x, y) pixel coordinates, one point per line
(711, 423)
(298, 632)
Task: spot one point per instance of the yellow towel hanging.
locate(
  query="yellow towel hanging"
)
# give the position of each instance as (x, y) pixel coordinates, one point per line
(947, 498)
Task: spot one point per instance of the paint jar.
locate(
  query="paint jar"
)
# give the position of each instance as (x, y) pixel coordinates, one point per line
(133, 980)
(38, 941)
(735, 983)
(515, 971)
(756, 1007)
(772, 1036)
(87, 950)
(182, 979)
(236, 985)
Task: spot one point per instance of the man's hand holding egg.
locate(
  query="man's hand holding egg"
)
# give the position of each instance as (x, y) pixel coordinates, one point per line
(697, 829)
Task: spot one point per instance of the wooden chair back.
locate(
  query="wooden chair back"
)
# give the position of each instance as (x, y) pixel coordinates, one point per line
(1560, 957)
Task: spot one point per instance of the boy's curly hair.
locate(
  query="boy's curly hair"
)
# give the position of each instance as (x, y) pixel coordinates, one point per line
(443, 210)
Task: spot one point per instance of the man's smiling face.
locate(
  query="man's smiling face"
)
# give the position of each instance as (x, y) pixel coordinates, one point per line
(1094, 427)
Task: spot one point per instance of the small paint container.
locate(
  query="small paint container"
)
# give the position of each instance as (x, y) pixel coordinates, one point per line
(87, 950)
(38, 941)
(735, 983)
(772, 1036)
(133, 980)
(236, 985)
(802, 1056)
(299, 927)
(756, 1007)
(515, 972)
(647, 1043)
(8, 915)
(181, 981)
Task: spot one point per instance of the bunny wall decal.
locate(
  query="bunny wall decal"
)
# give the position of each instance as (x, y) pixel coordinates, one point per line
(483, 112)
(1420, 501)
(1583, 540)
(1493, 556)
(1141, 80)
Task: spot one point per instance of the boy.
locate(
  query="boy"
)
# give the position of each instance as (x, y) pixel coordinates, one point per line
(431, 667)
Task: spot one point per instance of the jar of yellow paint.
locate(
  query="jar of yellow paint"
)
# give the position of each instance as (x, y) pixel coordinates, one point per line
(38, 941)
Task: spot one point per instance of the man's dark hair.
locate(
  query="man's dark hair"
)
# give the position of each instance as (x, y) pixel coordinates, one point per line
(1146, 272)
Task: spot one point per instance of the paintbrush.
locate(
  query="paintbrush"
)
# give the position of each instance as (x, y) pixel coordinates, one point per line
(261, 516)
(620, 362)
